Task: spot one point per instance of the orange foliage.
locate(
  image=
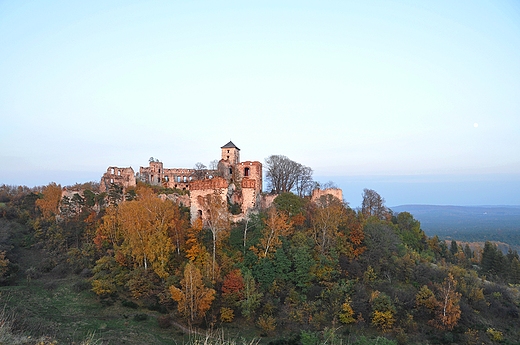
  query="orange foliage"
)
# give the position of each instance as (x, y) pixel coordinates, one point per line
(277, 225)
(193, 298)
(141, 230)
(233, 284)
(49, 204)
(448, 310)
(356, 235)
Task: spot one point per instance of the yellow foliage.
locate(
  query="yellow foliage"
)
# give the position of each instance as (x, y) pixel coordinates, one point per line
(49, 203)
(102, 287)
(267, 323)
(193, 298)
(141, 229)
(347, 313)
(425, 298)
(494, 334)
(226, 314)
(384, 320)
(277, 224)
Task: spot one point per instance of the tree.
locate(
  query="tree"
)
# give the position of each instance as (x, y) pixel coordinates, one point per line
(454, 248)
(200, 171)
(277, 224)
(49, 202)
(383, 315)
(373, 205)
(328, 216)
(448, 308)
(217, 221)
(251, 296)
(193, 298)
(142, 229)
(304, 182)
(289, 203)
(284, 175)
(409, 230)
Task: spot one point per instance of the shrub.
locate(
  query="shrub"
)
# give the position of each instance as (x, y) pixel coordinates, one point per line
(267, 323)
(494, 335)
(129, 304)
(226, 314)
(140, 317)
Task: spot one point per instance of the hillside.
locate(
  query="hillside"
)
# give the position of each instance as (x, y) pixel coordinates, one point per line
(468, 223)
(300, 272)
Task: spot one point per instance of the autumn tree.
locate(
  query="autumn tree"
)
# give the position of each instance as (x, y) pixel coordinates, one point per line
(141, 229)
(193, 298)
(232, 287)
(277, 225)
(217, 220)
(383, 314)
(283, 175)
(448, 308)
(49, 202)
(354, 225)
(328, 216)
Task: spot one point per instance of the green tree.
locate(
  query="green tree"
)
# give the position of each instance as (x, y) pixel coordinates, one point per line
(409, 230)
(251, 296)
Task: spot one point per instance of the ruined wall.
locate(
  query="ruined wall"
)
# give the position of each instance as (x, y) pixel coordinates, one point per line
(124, 177)
(267, 200)
(318, 193)
(178, 178)
(152, 174)
(238, 182)
(251, 171)
(183, 200)
(200, 188)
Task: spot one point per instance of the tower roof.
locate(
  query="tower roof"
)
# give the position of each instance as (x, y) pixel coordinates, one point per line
(230, 145)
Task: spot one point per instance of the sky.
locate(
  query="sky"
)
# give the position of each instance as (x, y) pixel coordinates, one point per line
(418, 100)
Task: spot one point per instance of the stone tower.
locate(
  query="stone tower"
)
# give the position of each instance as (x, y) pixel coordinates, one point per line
(231, 153)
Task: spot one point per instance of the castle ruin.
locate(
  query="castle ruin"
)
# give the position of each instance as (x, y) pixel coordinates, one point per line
(234, 181)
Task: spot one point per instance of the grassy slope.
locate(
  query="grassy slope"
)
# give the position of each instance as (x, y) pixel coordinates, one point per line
(55, 308)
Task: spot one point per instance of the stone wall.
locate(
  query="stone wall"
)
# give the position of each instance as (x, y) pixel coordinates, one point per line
(200, 188)
(124, 177)
(318, 193)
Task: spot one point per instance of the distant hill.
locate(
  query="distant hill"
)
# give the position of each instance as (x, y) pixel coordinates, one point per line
(468, 223)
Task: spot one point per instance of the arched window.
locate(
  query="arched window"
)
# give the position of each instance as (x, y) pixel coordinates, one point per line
(246, 172)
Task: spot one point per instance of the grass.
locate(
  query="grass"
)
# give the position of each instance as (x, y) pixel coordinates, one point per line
(54, 308)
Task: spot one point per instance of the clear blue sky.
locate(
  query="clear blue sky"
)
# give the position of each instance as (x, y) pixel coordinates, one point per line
(405, 97)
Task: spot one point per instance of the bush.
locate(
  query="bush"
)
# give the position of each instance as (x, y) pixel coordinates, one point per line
(140, 317)
(129, 304)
